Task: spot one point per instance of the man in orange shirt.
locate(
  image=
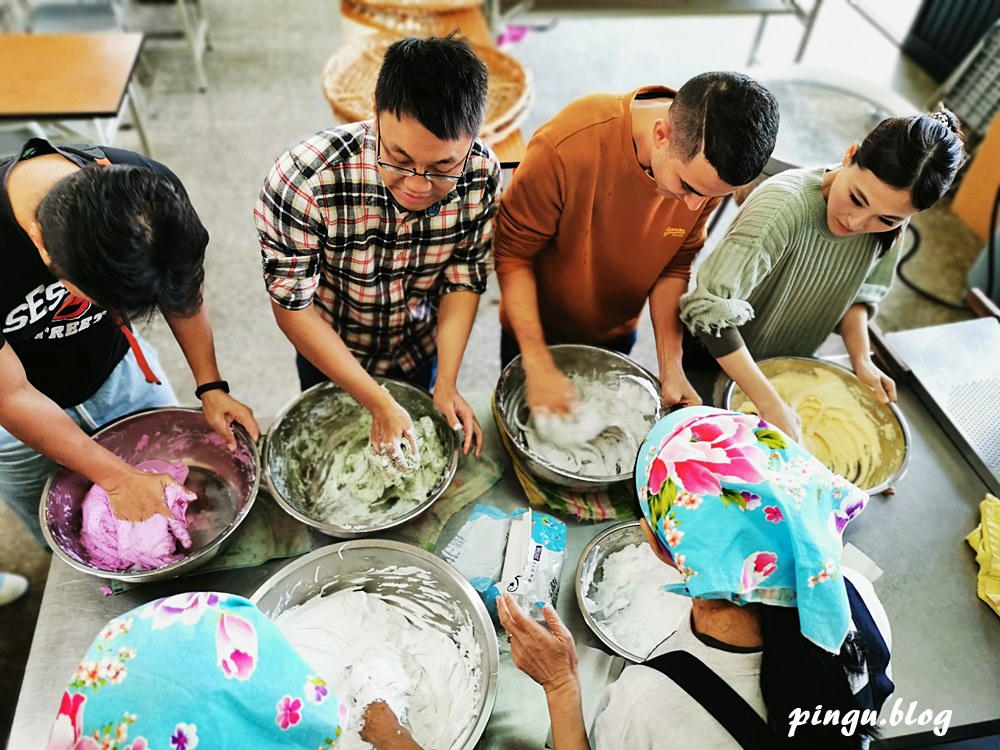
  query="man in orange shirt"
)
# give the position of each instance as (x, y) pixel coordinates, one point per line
(608, 209)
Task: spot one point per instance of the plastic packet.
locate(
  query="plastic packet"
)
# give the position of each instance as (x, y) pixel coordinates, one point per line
(533, 561)
(477, 550)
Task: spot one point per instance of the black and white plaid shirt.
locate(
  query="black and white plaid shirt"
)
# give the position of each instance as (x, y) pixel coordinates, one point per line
(331, 234)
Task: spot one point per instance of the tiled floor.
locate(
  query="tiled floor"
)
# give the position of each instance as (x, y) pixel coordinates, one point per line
(264, 95)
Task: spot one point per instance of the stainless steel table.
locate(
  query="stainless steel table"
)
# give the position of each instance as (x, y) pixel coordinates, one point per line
(74, 610)
(946, 643)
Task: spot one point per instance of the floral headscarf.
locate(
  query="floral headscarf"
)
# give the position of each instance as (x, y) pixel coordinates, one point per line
(749, 516)
(197, 670)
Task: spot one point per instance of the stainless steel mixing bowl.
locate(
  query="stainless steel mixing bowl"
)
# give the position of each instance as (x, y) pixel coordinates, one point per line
(570, 358)
(446, 599)
(303, 441)
(589, 574)
(226, 484)
(893, 433)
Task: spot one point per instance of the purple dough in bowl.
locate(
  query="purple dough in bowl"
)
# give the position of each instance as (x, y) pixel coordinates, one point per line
(225, 482)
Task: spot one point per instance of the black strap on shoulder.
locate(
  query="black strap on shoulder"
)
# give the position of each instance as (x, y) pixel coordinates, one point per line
(717, 697)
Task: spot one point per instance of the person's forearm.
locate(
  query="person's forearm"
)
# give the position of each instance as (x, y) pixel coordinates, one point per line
(381, 729)
(854, 332)
(566, 714)
(520, 299)
(664, 312)
(43, 426)
(194, 336)
(315, 340)
(456, 314)
(740, 366)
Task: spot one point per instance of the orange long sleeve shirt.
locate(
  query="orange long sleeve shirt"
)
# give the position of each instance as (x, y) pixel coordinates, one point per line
(584, 214)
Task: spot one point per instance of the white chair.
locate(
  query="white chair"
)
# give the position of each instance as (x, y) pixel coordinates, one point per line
(11, 19)
(73, 15)
(189, 23)
(194, 26)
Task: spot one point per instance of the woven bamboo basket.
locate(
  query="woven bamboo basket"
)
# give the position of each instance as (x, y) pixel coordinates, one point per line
(500, 130)
(421, 6)
(416, 21)
(350, 74)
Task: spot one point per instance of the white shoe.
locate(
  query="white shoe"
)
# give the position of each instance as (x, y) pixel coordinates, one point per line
(12, 587)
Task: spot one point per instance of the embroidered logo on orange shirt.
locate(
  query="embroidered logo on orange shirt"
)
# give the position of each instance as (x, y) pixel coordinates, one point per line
(674, 232)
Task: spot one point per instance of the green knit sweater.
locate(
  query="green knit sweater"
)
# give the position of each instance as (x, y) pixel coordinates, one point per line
(781, 276)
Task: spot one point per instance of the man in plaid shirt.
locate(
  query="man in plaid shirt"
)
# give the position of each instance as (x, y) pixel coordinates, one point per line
(376, 236)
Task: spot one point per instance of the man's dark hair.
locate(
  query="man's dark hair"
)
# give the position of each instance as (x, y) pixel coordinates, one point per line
(438, 81)
(730, 118)
(127, 237)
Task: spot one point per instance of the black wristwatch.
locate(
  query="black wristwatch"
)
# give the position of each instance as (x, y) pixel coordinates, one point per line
(215, 385)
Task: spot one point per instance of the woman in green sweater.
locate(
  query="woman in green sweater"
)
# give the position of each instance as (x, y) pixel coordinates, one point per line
(814, 250)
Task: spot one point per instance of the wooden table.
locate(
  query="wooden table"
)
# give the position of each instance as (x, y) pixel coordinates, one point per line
(58, 77)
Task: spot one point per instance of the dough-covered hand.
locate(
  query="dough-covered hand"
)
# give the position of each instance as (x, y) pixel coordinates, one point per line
(140, 496)
(382, 729)
(547, 388)
(379, 678)
(785, 418)
(391, 425)
(221, 410)
(460, 416)
(676, 390)
(883, 387)
(546, 654)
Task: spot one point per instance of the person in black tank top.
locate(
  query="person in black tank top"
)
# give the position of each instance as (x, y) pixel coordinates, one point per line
(91, 237)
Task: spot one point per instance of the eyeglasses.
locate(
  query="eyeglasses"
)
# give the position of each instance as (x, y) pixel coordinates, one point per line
(404, 172)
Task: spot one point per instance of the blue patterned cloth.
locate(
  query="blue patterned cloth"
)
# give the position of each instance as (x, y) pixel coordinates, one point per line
(749, 516)
(196, 670)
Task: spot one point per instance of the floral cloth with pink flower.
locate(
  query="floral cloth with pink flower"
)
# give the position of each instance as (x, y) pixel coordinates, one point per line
(749, 516)
(195, 670)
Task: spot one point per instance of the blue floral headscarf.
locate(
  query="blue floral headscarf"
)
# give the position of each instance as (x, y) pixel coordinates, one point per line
(749, 516)
(198, 670)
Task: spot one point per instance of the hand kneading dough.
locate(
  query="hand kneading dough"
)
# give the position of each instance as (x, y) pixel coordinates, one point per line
(838, 428)
(369, 648)
(114, 544)
(602, 436)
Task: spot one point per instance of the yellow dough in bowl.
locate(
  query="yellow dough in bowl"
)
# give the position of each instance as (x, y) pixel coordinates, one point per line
(839, 425)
